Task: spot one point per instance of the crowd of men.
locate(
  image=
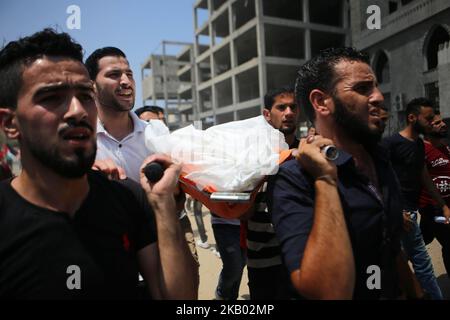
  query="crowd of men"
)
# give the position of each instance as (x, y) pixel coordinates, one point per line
(318, 229)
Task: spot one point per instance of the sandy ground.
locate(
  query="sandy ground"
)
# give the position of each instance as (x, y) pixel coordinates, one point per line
(434, 250)
(211, 265)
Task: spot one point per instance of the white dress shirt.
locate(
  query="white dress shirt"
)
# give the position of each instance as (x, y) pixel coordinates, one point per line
(130, 152)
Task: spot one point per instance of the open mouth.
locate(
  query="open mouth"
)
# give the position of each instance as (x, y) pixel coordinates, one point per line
(77, 134)
(374, 112)
(125, 94)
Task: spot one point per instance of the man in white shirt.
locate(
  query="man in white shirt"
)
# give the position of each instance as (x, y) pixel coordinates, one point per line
(120, 133)
(129, 152)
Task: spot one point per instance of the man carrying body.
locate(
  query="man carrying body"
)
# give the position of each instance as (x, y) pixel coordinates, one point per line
(65, 231)
(339, 221)
(120, 133)
(268, 278)
(406, 151)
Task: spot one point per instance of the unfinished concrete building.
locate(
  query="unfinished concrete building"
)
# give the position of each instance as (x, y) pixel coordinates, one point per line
(169, 78)
(186, 93)
(410, 53)
(243, 48)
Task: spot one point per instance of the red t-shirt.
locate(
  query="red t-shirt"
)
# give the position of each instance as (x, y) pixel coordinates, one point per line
(437, 160)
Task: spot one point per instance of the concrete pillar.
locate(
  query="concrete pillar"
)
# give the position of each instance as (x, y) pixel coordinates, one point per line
(233, 59)
(165, 82)
(307, 32)
(444, 80)
(261, 43)
(211, 60)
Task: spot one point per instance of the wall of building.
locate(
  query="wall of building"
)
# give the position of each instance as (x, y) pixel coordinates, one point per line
(405, 47)
(444, 80)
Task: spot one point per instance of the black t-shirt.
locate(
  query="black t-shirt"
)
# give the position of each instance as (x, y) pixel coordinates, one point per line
(39, 247)
(408, 159)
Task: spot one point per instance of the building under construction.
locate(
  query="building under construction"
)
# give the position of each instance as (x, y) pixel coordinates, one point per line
(242, 49)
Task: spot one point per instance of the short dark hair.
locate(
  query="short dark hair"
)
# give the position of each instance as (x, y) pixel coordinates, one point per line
(16, 55)
(92, 61)
(152, 109)
(413, 107)
(319, 73)
(270, 96)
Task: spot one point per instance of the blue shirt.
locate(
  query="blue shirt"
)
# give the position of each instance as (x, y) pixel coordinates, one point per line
(374, 220)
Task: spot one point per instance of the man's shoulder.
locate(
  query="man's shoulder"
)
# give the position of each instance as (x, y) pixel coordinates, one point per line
(122, 190)
(291, 166)
(5, 192)
(390, 140)
(99, 181)
(429, 147)
(292, 173)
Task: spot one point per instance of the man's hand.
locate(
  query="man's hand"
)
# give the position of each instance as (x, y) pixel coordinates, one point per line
(176, 273)
(310, 157)
(446, 212)
(407, 222)
(107, 166)
(168, 184)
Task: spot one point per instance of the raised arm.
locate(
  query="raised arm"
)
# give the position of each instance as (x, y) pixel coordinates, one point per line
(327, 267)
(170, 271)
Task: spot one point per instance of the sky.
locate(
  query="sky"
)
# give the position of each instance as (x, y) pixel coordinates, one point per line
(137, 27)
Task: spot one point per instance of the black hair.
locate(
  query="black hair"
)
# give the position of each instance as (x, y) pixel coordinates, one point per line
(270, 96)
(319, 73)
(414, 106)
(92, 61)
(153, 109)
(17, 55)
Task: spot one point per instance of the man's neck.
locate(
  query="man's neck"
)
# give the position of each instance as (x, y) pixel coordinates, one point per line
(435, 141)
(46, 189)
(341, 139)
(361, 156)
(117, 124)
(409, 133)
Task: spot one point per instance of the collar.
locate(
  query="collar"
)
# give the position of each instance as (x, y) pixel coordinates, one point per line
(343, 158)
(378, 153)
(138, 124)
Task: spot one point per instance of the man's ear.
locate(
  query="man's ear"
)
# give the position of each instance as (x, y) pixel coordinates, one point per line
(8, 123)
(266, 114)
(412, 118)
(320, 101)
